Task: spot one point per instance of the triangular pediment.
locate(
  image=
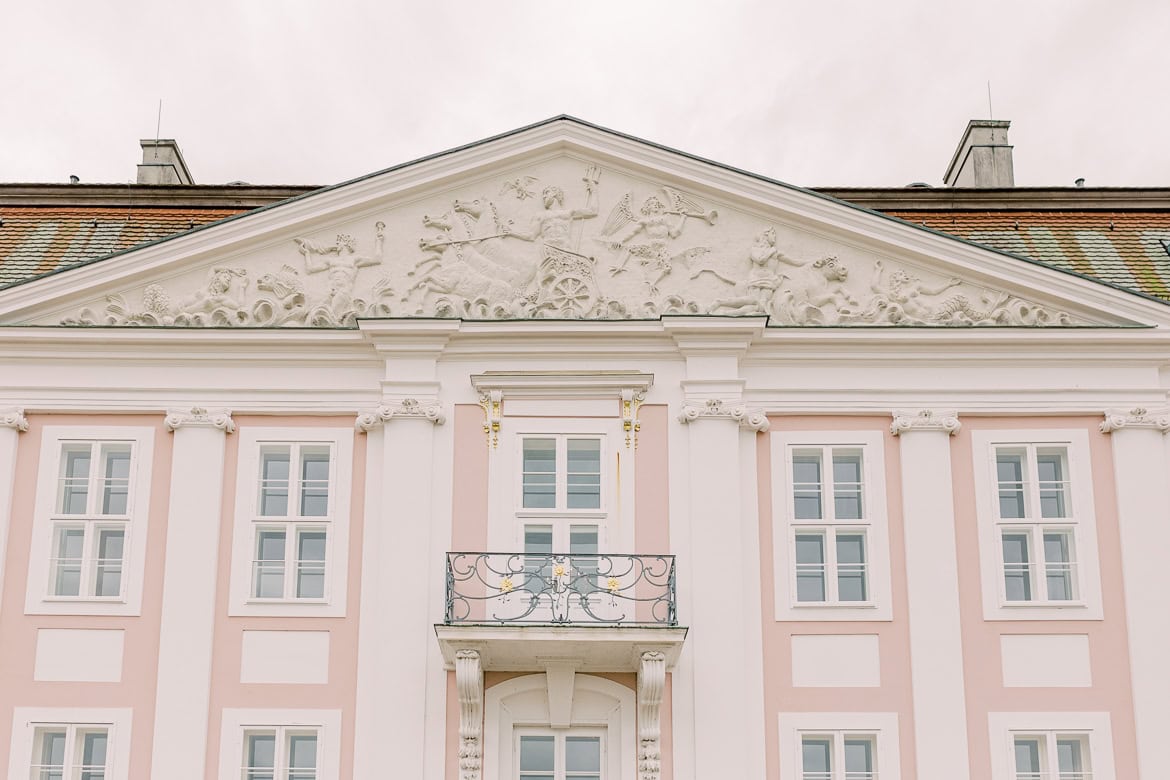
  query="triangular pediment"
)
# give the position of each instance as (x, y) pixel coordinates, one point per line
(566, 221)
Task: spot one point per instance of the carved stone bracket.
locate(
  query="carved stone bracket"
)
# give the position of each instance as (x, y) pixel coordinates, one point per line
(1157, 419)
(13, 417)
(716, 409)
(945, 420)
(199, 417)
(651, 682)
(492, 403)
(409, 408)
(631, 403)
(469, 684)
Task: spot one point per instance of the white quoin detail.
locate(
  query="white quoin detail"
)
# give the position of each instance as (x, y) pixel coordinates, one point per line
(199, 417)
(1115, 420)
(408, 407)
(926, 420)
(651, 682)
(718, 409)
(469, 683)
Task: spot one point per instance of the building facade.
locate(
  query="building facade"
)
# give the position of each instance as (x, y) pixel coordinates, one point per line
(563, 455)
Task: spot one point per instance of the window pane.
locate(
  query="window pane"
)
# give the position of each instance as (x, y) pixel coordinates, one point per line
(75, 463)
(108, 572)
(858, 759)
(584, 474)
(806, 487)
(274, 476)
(851, 585)
(1016, 568)
(311, 565)
(314, 482)
(810, 567)
(302, 751)
(261, 752)
(847, 486)
(1069, 758)
(52, 748)
(116, 475)
(69, 545)
(93, 755)
(1058, 565)
(1053, 488)
(583, 540)
(538, 542)
(539, 474)
(815, 758)
(269, 565)
(1009, 468)
(583, 754)
(536, 754)
(1027, 758)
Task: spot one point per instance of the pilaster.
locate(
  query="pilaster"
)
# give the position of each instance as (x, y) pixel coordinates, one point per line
(932, 582)
(12, 424)
(188, 593)
(1143, 513)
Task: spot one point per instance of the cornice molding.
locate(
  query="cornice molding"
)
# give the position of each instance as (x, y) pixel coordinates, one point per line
(199, 417)
(718, 409)
(562, 384)
(13, 417)
(1138, 417)
(407, 408)
(941, 420)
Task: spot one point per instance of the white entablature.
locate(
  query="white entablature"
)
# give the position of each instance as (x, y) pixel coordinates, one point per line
(564, 221)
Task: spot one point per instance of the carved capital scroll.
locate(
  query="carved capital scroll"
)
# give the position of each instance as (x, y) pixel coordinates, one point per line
(651, 682)
(199, 417)
(716, 409)
(13, 417)
(1140, 417)
(492, 403)
(408, 408)
(469, 684)
(631, 403)
(943, 420)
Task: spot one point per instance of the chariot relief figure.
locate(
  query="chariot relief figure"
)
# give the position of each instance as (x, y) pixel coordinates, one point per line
(657, 226)
(554, 225)
(341, 262)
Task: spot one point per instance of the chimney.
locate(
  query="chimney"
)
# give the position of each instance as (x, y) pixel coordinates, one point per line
(162, 163)
(984, 158)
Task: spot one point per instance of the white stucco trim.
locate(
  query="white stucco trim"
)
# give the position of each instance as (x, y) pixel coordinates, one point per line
(1003, 726)
(26, 720)
(882, 726)
(327, 724)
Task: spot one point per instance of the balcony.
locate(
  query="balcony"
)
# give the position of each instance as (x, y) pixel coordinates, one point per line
(520, 609)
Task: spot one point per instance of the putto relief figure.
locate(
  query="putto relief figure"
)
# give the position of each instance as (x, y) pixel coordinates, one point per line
(649, 234)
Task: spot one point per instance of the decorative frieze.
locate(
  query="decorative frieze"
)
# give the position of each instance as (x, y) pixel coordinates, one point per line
(717, 409)
(469, 685)
(651, 683)
(1139, 417)
(199, 417)
(13, 417)
(944, 420)
(409, 408)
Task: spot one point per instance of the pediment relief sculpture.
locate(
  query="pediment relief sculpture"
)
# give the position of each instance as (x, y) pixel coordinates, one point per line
(539, 248)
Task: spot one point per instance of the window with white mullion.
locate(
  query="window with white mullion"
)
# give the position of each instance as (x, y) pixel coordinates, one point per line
(1037, 527)
(1051, 756)
(829, 526)
(280, 753)
(561, 473)
(548, 755)
(838, 756)
(68, 752)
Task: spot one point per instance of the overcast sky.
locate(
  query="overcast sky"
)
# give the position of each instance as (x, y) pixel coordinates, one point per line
(816, 93)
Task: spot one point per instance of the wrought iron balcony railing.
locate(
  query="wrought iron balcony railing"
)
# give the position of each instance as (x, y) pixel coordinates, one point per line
(560, 589)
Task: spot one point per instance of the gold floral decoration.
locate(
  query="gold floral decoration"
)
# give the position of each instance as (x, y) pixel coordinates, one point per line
(559, 571)
(613, 584)
(506, 585)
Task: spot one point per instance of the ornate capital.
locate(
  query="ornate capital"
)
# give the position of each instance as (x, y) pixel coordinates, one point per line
(469, 684)
(408, 408)
(716, 409)
(944, 420)
(492, 403)
(651, 682)
(631, 403)
(13, 417)
(1140, 417)
(199, 417)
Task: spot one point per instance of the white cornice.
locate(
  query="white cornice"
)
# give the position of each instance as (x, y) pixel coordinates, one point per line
(562, 384)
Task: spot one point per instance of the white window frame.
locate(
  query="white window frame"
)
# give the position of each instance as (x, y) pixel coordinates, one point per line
(507, 516)
(875, 526)
(247, 522)
(608, 707)
(27, 720)
(39, 599)
(559, 736)
(1004, 727)
(881, 727)
(239, 722)
(1082, 526)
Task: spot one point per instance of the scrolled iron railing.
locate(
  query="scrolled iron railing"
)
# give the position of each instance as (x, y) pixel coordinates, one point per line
(560, 589)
